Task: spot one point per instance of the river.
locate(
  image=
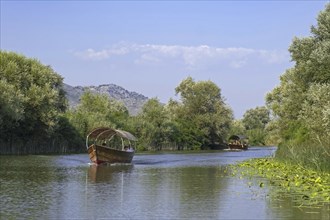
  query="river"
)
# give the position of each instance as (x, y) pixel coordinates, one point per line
(155, 186)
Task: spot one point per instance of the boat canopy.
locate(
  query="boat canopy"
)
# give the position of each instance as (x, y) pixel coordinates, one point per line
(237, 137)
(104, 133)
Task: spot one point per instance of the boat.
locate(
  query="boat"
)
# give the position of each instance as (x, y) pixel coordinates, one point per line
(108, 145)
(238, 142)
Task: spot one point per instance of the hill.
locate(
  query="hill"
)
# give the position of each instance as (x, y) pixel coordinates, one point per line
(132, 100)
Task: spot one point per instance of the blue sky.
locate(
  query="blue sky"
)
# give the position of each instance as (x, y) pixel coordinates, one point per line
(150, 46)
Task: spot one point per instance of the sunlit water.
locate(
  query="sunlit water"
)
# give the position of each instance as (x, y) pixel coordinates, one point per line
(154, 186)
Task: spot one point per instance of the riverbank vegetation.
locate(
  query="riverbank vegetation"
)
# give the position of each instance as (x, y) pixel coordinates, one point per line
(200, 120)
(35, 118)
(254, 125)
(32, 107)
(34, 114)
(301, 103)
(306, 185)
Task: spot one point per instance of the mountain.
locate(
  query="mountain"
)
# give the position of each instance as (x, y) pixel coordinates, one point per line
(132, 100)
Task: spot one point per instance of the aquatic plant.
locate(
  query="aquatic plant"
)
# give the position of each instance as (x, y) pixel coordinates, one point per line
(307, 186)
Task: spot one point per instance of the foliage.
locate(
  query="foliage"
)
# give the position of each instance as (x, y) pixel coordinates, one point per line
(11, 102)
(256, 118)
(309, 186)
(273, 136)
(155, 127)
(255, 122)
(33, 105)
(301, 102)
(97, 110)
(237, 128)
(257, 137)
(315, 112)
(201, 119)
(31, 97)
(310, 153)
(202, 114)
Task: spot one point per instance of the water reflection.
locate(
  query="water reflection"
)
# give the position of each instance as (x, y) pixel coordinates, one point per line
(105, 173)
(23, 189)
(159, 186)
(291, 206)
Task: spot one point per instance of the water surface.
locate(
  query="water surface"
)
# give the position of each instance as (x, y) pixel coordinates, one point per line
(154, 186)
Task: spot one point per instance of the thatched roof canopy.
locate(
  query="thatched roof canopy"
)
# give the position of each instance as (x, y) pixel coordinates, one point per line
(103, 133)
(237, 137)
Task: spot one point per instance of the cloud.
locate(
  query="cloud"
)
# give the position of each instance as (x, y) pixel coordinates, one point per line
(91, 54)
(189, 56)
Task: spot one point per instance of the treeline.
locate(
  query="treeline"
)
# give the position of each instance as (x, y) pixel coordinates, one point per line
(35, 118)
(301, 103)
(34, 114)
(201, 120)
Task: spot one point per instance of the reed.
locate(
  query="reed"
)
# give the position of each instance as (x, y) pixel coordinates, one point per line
(313, 154)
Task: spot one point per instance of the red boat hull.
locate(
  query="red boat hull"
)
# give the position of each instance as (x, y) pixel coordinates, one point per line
(238, 146)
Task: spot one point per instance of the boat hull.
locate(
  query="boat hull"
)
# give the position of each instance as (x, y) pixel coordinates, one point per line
(238, 146)
(99, 154)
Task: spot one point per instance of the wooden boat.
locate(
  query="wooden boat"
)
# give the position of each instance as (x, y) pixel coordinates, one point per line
(107, 145)
(238, 142)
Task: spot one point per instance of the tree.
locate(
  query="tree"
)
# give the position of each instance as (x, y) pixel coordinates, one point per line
(31, 97)
(11, 106)
(96, 110)
(255, 121)
(155, 127)
(237, 128)
(256, 118)
(203, 116)
(315, 113)
(312, 65)
(300, 103)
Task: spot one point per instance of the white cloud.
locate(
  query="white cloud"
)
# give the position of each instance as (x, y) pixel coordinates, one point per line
(190, 56)
(91, 54)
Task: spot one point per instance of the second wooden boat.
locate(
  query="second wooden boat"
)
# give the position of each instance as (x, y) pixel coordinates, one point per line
(238, 142)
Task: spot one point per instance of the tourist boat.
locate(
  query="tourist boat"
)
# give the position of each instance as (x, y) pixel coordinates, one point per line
(108, 145)
(238, 142)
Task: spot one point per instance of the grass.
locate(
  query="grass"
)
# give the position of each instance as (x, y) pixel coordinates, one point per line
(312, 154)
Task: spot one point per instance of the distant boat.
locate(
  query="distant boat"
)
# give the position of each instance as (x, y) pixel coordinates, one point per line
(108, 145)
(238, 142)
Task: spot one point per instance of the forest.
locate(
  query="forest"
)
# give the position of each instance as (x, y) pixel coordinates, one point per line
(35, 117)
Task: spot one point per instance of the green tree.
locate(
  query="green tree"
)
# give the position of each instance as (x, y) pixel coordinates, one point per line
(203, 116)
(256, 118)
(255, 121)
(315, 113)
(11, 106)
(237, 128)
(31, 97)
(97, 110)
(300, 103)
(156, 128)
(312, 64)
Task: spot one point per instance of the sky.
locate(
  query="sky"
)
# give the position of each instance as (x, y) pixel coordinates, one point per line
(149, 47)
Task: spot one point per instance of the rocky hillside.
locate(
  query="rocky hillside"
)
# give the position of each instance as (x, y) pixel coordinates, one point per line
(132, 100)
